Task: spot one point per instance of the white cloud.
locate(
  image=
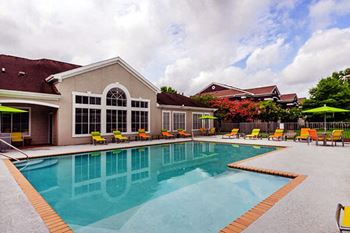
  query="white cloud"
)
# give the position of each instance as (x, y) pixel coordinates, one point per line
(324, 12)
(269, 56)
(325, 52)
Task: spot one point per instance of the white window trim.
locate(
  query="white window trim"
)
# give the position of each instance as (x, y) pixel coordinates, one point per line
(170, 120)
(29, 109)
(174, 121)
(201, 113)
(104, 107)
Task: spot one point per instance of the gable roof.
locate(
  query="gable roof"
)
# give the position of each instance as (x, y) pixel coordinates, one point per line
(288, 97)
(224, 86)
(35, 72)
(117, 60)
(177, 100)
(265, 90)
(226, 93)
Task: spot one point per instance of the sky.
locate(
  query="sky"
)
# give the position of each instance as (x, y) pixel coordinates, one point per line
(187, 44)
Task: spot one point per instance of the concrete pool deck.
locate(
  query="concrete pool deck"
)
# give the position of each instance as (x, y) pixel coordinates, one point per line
(310, 207)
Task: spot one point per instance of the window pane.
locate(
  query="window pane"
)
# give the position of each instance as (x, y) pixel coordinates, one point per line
(78, 99)
(179, 121)
(85, 100)
(116, 97)
(166, 120)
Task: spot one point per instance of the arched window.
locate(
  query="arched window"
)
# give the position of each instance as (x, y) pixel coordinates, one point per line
(116, 97)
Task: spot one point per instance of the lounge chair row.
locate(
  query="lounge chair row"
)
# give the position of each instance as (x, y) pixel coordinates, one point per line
(142, 135)
(306, 134)
(255, 134)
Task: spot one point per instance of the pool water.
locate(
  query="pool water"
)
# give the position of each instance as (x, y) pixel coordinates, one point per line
(181, 187)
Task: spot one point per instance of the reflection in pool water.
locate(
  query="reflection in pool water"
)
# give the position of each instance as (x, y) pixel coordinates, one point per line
(182, 187)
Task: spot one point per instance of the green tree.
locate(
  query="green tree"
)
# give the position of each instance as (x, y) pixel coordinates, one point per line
(204, 99)
(269, 111)
(333, 90)
(166, 89)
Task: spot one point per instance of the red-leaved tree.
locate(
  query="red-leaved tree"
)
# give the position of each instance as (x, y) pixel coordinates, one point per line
(236, 110)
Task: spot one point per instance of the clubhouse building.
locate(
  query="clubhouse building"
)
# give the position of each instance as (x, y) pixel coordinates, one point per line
(65, 102)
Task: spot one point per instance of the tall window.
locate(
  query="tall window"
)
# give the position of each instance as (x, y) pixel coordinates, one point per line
(17, 122)
(166, 120)
(139, 120)
(179, 120)
(116, 120)
(116, 97)
(87, 120)
(196, 121)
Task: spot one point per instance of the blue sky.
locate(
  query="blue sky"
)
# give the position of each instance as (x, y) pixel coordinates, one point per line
(188, 44)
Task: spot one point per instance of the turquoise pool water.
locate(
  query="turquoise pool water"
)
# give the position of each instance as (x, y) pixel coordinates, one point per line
(182, 187)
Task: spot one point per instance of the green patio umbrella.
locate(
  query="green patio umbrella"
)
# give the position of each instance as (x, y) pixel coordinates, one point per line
(5, 109)
(208, 117)
(325, 109)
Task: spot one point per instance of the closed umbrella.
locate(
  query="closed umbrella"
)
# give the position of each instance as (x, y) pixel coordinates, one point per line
(324, 110)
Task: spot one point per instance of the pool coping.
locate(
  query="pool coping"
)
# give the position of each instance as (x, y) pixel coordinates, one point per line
(52, 220)
(249, 217)
(56, 224)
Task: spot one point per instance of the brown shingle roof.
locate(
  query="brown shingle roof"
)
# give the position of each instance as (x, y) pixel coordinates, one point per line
(288, 97)
(225, 93)
(35, 73)
(177, 100)
(261, 90)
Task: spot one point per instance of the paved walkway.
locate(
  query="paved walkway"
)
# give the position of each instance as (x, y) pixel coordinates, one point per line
(308, 208)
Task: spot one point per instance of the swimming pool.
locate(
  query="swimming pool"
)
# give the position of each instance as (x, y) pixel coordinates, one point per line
(180, 187)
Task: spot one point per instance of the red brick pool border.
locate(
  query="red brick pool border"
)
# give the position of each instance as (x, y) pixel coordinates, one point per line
(51, 219)
(246, 219)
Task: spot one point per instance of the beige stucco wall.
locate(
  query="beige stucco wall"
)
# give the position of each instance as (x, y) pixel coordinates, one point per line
(189, 118)
(95, 82)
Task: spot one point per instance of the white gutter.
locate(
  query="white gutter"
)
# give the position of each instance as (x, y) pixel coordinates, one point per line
(28, 95)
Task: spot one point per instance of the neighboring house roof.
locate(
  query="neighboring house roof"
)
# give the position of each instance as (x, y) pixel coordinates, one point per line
(177, 100)
(117, 60)
(266, 90)
(213, 87)
(226, 93)
(22, 74)
(288, 97)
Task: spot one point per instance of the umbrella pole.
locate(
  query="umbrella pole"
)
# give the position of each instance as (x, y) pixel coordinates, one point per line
(325, 128)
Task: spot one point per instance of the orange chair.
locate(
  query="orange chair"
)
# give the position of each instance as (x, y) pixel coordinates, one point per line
(203, 131)
(166, 134)
(143, 136)
(182, 133)
(278, 135)
(304, 134)
(313, 136)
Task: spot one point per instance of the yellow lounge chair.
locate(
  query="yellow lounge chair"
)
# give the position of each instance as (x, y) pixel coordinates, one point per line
(96, 138)
(254, 135)
(143, 136)
(119, 137)
(234, 133)
(182, 133)
(304, 134)
(336, 136)
(17, 137)
(212, 131)
(344, 225)
(278, 135)
(166, 134)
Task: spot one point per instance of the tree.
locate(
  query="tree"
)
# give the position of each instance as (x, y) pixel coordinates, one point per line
(166, 89)
(203, 99)
(333, 90)
(235, 110)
